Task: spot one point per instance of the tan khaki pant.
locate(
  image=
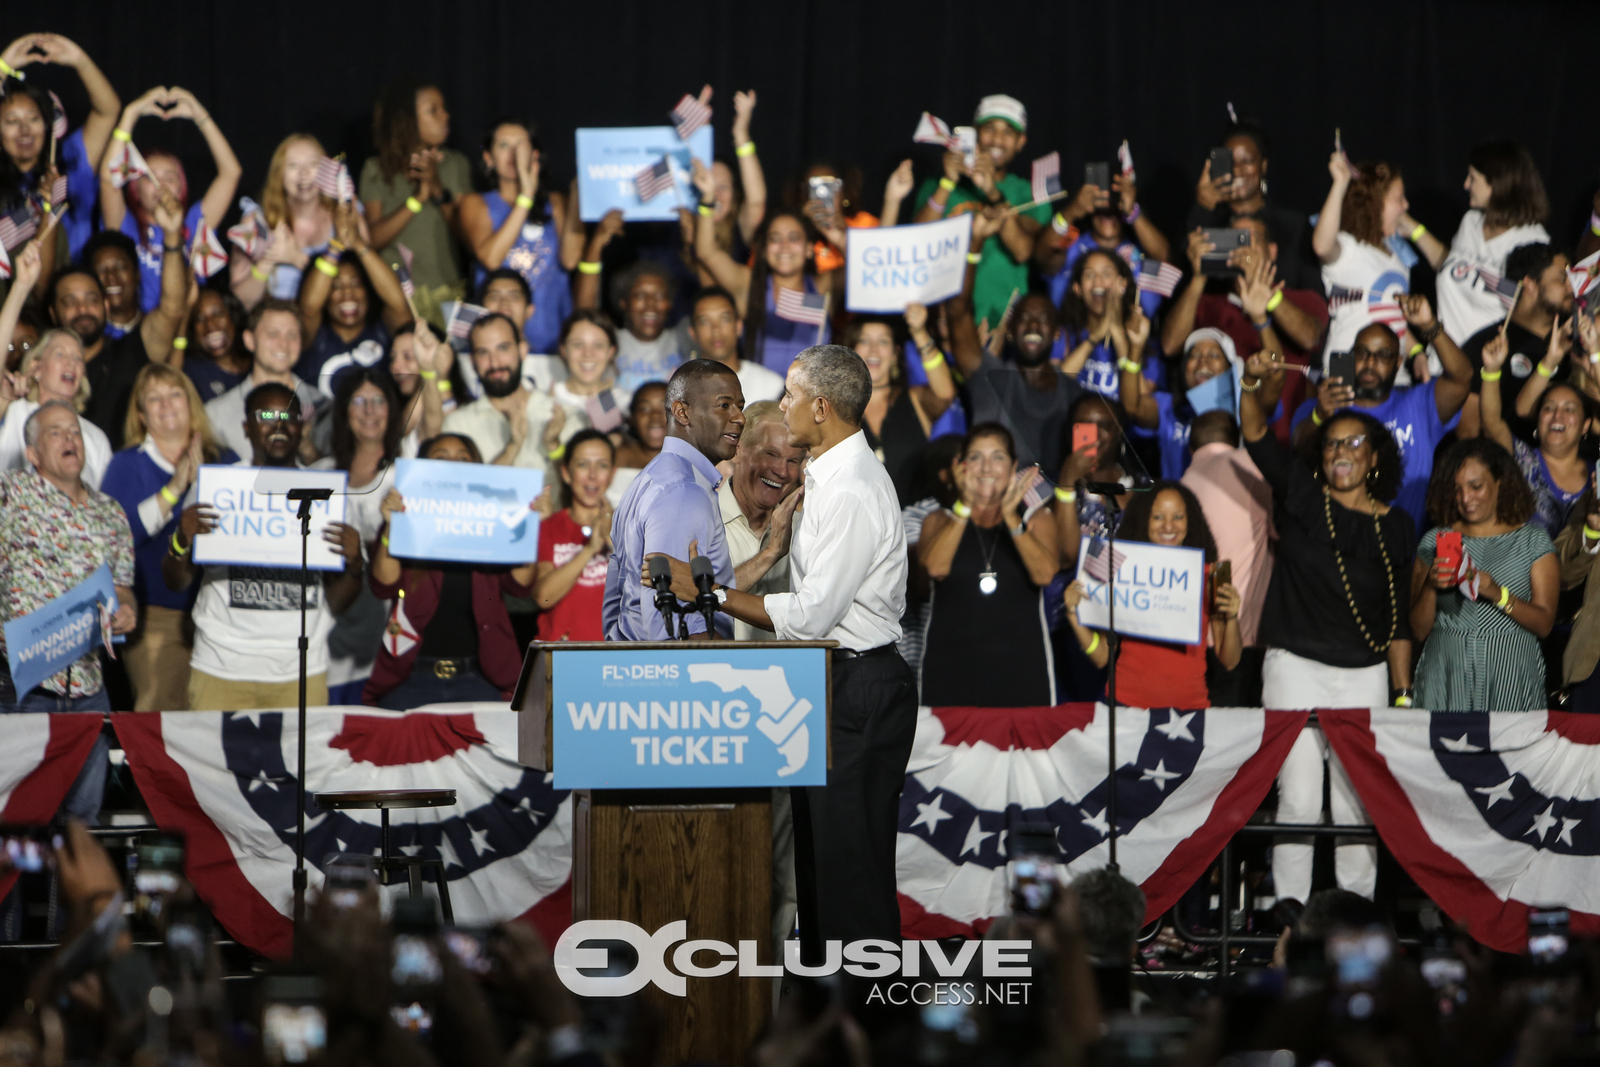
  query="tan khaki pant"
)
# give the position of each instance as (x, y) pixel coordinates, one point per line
(157, 659)
(219, 694)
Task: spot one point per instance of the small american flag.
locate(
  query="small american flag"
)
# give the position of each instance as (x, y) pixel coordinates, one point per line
(5, 263)
(206, 255)
(1125, 157)
(691, 113)
(796, 306)
(931, 130)
(1037, 495)
(462, 316)
(250, 233)
(333, 179)
(653, 180)
(1158, 277)
(402, 270)
(58, 117)
(58, 190)
(1047, 176)
(1504, 288)
(605, 414)
(1098, 556)
(18, 226)
(126, 163)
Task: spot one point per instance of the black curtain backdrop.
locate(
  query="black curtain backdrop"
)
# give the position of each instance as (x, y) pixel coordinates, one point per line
(1417, 83)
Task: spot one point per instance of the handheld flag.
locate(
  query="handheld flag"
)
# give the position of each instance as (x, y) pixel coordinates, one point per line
(1233, 116)
(691, 113)
(5, 263)
(126, 164)
(462, 316)
(58, 117)
(934, 131)
(1125, 157)
(1099, 563)
(250, 234)
(18, 226)
(333, 179)
(653, 180)
(1047, 176)
(809, 308)
(402, 271)
(604, 413)
(1155, 276)
(206, 255)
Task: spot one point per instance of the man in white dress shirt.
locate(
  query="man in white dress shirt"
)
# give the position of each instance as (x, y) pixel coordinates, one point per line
(847, 570)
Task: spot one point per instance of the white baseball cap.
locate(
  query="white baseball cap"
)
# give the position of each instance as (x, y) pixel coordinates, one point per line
(1000, 106)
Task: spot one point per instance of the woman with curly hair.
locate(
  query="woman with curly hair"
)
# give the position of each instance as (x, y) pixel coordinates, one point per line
(1362, 275)
(1483, 650)
(1105, 326)
(1336, 617)
(412, 190)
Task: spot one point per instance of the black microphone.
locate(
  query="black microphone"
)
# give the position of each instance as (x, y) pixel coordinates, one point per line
(661, 578)
(704, 579)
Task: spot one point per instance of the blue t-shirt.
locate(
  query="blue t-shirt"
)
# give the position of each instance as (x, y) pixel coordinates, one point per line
(954, 419)
(151, 250)
(1412, 415)
(1172, 435)
(536, 255)
(83, 191)
(782, 340)
(209, 378)
(1149, 301)
(329, 356)
(133, 476)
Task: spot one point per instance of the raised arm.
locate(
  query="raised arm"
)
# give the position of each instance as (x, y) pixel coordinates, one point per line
(729, 273)
(1432, 249)
(103, 101)
(1325, 238)
(754, 208)
(27, 266)
(934, 207)
(1260, 386)
(219, 194)
(1137, 391)
(586, 293)
(1556, 348)
(161, 325)
(1451, 391)
(895, 192)
(1148, 234)
(965, 344)
(112, 205)
(935, 398)
(490, 245)
(1179, 321)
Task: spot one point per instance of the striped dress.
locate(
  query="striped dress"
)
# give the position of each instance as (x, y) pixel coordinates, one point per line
(1477, 658)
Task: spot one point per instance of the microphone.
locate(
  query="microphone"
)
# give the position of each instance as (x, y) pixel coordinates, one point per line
(704, 578)
(661, 578)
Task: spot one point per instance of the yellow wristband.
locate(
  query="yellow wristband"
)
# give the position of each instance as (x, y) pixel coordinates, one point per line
(1272, 304)
(257, 273)
(413, 205)
(169, 496)
(122, 135)
(428, 375)
(178, 550)
(1590, 533)
(557, 452)
(327, 267)
(706, 209)
(946, 184)
(1418, 347)
(962, 510)
(384, 540)
(1066, 496)
(1490, 375)
(1316, 417)
(6, 68)
(180, 343)
(974, 257)
(746, 149)
(1128, 366)
(1094, 643)
(444, 385)
(1504, 604)
(1543, 371)
(588, 268)
(524, 201)
(335, 244)
(934, 361)
(1419, 231)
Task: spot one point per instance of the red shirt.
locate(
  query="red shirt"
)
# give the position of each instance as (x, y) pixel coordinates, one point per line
(577, 616)
(1151, 674)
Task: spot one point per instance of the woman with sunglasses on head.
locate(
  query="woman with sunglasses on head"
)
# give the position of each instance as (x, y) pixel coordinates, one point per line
(1337, 608)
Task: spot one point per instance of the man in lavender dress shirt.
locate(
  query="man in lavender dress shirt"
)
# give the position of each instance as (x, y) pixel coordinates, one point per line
(673, 501)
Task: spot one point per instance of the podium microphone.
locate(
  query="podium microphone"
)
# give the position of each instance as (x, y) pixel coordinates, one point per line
(704, 579)
(661, 578)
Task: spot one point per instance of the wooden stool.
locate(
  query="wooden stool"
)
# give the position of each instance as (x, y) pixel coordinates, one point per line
(384, 800)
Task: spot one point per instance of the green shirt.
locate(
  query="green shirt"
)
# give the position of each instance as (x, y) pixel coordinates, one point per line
(435, 260)
(999, 274)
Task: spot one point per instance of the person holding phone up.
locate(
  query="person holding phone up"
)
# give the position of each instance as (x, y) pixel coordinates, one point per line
(1233, 184)
(1483, 587)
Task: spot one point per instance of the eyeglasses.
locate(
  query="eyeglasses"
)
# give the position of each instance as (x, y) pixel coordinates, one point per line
(1352, 443)
(363, 403)
(270, 416)
(1382, 353)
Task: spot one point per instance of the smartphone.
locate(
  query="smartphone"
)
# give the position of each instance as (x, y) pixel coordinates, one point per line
(1221, 163)
(1446, 975)
(1358, 957)
(416, 962)
(825, 191)
(415, 1018)
(345, 878)
(1224, 240)
(1031, 869)
(157, 862)
(30, 849)
(967, 144)
(1342, 365)
(471, 949)
(1085, 435)
(1223, 575)
(1098, 175)
(294, 1028)
(1447, 549)
(1549, 937)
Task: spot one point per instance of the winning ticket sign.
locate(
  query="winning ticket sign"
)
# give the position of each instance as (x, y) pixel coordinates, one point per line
(465, 512)
(262, 529)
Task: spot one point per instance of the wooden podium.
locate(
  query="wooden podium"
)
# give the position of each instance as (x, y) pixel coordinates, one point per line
(655, 856)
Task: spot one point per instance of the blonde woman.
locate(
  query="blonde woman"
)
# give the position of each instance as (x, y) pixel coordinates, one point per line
(168, 438)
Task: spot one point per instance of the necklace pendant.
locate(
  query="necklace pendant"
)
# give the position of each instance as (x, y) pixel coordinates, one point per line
(988, 582)
(588, 531)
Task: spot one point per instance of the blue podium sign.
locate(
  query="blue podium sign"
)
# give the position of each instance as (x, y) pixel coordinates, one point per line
(640, 718)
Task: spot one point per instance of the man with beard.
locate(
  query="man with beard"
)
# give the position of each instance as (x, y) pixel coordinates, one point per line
(673, 501)
(1023, 390)
(272, 334)
(78, 299)
(1419, 416)
(512, 425)
(1545, 300)
(247, 618)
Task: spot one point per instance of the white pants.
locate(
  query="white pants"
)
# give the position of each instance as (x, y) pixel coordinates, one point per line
(1289, 681)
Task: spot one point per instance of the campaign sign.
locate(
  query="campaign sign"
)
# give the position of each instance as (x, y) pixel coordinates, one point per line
(610, 157)
(889, 267)
(465, 512)
(57, 635)
(626, 718)
(262, 529)
(1160, 591)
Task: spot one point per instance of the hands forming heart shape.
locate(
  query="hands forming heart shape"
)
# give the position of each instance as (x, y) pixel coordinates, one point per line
(169, 102)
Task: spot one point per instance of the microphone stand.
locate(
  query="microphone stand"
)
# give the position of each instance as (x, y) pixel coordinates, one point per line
(305, 497)
(1108, 492)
